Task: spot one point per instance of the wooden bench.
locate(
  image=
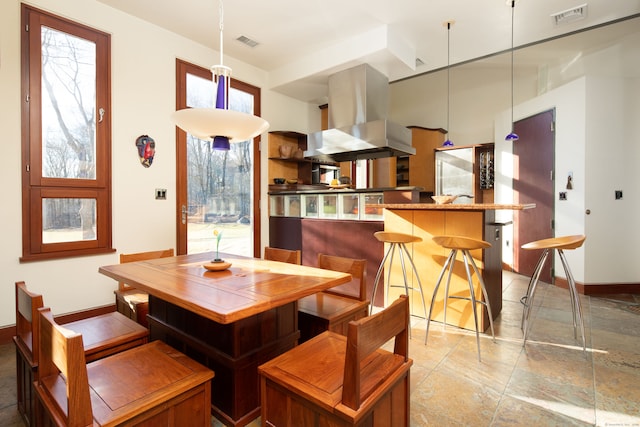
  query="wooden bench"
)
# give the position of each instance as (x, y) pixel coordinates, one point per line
(343, 381)
(104, 335)
(133, 302)
(149, 385)
(334, 308)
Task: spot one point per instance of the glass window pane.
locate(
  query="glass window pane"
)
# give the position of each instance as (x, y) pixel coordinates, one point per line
(240, 101)
(68, 220)
(199, 92)
(219, 183)
(68, 106)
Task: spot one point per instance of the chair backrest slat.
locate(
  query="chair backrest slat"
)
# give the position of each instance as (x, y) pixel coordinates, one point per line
(27, 305)
(283, 255)
(357, 288)
(142, 256)
(367, 335)
(62, 351)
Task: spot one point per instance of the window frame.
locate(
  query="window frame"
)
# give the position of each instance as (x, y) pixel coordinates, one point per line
(35, 187)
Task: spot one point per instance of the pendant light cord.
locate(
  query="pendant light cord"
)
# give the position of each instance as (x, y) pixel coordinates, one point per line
(513, 5)
(448, 72)
(221, 13)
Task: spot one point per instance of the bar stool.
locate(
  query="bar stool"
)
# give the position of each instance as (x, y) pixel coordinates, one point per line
(560, 244)
(397, 240)
(464, 245)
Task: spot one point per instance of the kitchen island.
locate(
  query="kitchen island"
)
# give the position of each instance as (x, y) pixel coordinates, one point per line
(335, 221)
(426, 220)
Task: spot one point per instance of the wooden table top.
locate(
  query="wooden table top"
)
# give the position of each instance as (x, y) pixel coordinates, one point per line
(248, 287)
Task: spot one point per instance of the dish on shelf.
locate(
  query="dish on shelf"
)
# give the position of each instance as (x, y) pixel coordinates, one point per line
(339, 185)
(278, 181)
(217, 265)
(292, 181)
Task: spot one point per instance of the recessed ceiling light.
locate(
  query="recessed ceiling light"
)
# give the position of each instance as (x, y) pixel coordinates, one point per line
(246, 40)
(570, 15)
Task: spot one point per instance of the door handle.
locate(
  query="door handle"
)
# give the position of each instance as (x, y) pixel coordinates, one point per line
(184, 214)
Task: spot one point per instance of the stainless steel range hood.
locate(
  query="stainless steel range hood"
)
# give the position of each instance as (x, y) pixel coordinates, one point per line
(358, 125)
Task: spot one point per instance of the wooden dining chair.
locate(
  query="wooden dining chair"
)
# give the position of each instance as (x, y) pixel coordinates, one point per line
(169, 387)
(334, 308)
(104, 335)
(343, 381)
(283, 255)
(133, 302)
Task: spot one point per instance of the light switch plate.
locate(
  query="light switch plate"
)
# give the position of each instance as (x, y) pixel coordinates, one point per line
(161, 193)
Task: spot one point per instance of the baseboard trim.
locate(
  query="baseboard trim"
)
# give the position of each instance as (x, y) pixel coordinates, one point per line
(600, 288)
(7, 333)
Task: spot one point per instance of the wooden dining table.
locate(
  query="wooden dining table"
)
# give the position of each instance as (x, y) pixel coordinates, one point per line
(231, 321)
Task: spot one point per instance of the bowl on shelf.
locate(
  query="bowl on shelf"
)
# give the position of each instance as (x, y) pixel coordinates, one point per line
(292, 181)
(279, 181)
(444, 199)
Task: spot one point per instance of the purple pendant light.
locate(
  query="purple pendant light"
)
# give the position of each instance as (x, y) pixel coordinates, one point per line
(448, 24)
(221, 143)
(512, 136)
(219, 124)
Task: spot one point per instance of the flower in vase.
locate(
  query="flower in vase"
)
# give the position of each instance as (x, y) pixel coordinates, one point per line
(218, 235)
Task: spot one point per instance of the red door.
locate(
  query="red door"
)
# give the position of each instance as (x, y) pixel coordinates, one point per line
(533, 183)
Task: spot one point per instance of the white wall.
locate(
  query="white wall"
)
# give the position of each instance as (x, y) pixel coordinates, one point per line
(143, 97)
(612, 163)
(570, 136)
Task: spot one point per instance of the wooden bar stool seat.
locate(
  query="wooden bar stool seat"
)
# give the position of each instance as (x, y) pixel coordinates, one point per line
(332, 380)
(399, 241)
(547, 245)
(150, 385)
(464, 245)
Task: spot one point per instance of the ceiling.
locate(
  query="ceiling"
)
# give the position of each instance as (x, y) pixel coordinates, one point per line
(301, 42)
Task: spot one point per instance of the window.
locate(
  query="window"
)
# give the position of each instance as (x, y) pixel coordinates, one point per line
(66, 138)
(217, 190)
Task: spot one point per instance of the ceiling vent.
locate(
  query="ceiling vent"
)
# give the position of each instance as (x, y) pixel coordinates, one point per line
(570, 15)
(246, 40)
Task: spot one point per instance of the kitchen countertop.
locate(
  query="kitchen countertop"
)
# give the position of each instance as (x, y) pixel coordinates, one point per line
(311, 189)
(457, 206)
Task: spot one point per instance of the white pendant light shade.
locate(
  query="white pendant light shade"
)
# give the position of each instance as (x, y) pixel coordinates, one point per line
(218, 123)
(207, 123)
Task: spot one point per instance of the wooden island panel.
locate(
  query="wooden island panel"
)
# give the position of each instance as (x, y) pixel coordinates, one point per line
(430, 257)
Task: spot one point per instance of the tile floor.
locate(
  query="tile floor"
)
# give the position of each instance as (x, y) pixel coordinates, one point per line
(551, 382)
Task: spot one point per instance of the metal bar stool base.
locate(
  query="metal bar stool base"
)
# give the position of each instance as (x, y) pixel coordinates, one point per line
(560, 244)
(464, 245)
(397, 240)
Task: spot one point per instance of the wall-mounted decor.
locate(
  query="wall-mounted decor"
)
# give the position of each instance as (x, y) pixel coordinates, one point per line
(146, 149)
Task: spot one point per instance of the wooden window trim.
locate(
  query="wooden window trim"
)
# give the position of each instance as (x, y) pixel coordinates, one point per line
(34, 186)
